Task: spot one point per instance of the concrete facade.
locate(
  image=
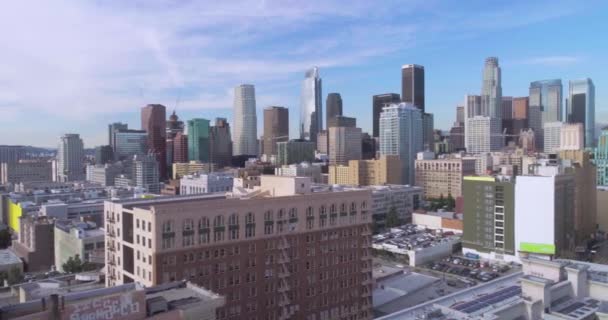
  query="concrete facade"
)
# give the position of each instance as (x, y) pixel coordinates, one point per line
(26, 171)
(443, 177)
(385, 170)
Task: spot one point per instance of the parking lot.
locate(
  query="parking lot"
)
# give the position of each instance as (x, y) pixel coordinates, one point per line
(470, 271)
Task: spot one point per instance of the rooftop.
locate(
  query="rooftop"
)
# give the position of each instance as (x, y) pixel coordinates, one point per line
(8, 257)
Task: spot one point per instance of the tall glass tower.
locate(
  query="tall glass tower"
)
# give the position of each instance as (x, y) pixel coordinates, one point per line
(311, 108)
(245, 121)
(581, 108)
(198, 140)
(491, 89)
(545, 106)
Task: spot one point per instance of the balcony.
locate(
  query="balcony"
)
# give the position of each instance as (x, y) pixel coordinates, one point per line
(366, 294)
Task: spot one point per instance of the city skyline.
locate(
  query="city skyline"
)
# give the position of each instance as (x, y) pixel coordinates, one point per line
(93, 90)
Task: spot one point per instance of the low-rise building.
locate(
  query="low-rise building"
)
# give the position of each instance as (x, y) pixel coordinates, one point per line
(104, 174)
(443, 177)
(295, 151)
(441, 220)
(404, 200)
(74, 238)
(34, 244)
(178, 300)
(304, 169)
(206, 183)
(385, 170)
(26, 171)
(9, 260)
(183, 169)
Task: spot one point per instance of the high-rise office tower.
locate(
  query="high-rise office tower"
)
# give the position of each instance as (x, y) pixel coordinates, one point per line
(572, 137)
(276, 128)
(581, 107)
(245, 140)
(459, 116)
(552, 136)
(153, 121)
(295, 151)
(341, 121)
(428, 129)
(547, 94)
(412, 85)
(380, 101)
(220, 143)
(483, 134)
(174, 125)
(70, 158)
(113, 127)
(520, 108)
(128, 143)
(198, 140)
(472, 106)
(311, 108)
(344, 145)
(368, 146)
(491, 90)
(333, 105)
(145, 173)
(103, 154)
(601, 158)
(401, 134)
(180, 148)
(507, 108)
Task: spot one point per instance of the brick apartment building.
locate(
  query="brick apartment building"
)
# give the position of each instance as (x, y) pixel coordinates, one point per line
(285, 251)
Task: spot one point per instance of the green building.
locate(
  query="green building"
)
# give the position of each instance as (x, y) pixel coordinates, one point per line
(489, 217)
(295, 151)
(601, 158)
(198, 140)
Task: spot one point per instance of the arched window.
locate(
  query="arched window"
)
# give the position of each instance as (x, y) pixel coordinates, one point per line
(343, 208)
(353, 207)
(249, 218)
(363, 205)
(281, 214)
(322, 210)
(233, 220)
(218, 221)
(188, 225)
(332, 209)
(168, 226)
(203, 223)
(310, 212)
(293, 213)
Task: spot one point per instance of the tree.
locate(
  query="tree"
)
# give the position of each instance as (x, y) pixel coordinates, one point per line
(5, 238)
(73, 265)
(392, 218)
(450, 202)
(14, 276)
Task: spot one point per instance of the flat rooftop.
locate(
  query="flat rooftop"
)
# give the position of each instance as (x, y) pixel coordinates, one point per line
(8, 257)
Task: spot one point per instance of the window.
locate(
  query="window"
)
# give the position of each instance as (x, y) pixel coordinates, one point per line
(188, 225)
(281, 214)
(218, 221)
(268, 216)
(293, 215)
(168, 226)
(233, 226)
(333, 209)
(249, 218)
(310, 213)
(322, 211)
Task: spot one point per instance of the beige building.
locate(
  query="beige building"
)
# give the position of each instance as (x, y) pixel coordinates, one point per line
(344, 145)
(285, 250)
(386, 170)
(443, 177)
(183, 169)
(585, 203)
(572, 136)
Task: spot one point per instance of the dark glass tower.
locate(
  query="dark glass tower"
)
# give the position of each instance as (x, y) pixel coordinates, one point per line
(379, 101)
(334, 106)
(153, 121)
(412, 85)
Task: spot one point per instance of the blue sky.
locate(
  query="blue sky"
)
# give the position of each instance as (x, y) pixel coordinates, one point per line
(75, 66)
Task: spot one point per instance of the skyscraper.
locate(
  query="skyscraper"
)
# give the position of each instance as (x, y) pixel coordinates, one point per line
(153, 121)
(145, 173)
(70, 158)
(311, 108)
(581, 107)
(276, 128)
(128, 143)
(180, 148)
(412, 85)
(601, 158)
(491, 90)
(333, 105)
(520, 108)
(245, 121)
(174, 125)
(472, 106)
(103, 154)
(220, 143)
(428, 128)
(113, 127)
(483, 134)
(344, 145)
(401, 135)
(547, 94)
(379, 101)
(198, 140)
(507, 108)
(459, 116)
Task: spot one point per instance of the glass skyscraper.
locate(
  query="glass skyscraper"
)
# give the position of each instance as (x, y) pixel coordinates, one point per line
(401, 134)
(545, 106)
(245, 121)
(491, 89)
(198, 140)
(581, 108)
(412, 85)
(601, 158)
(311, 108)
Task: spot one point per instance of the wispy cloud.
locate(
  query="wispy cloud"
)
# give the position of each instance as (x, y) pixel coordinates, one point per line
(551, 61)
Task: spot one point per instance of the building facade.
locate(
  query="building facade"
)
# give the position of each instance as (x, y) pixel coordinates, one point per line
(311, 108)
(572, 136)
(344, 144)
(257, 252)
(198, 140)
(26, 171)
(128, 143)
(443, 177)
(206, 183)
(483, 134)
(145, 173)
(520, 108)
(401, 134)
(385, 170)
(600, 158)
(551, 136)
(153, 121)
(186, 168)
(276, 128)
(581, 107)
(295, 151)
(491, 89)
(70, 158)
(412, 85)
(220, 144)
(77, 238)
(245, 121)
(34, 244)
(180, 148)
(380, 101)
(333, 105)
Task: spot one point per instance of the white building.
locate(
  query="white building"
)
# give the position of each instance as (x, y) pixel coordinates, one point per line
(70, 158)
(145, 173)
(303, 169)
(551, 136)
(401, 134)
(104, 174)
(26, 171)
(311, 105)
(84, 239)
(405, 199)
(205, 183)
(245, 130)
(483, 134)
(344, 145)
(572, 136)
